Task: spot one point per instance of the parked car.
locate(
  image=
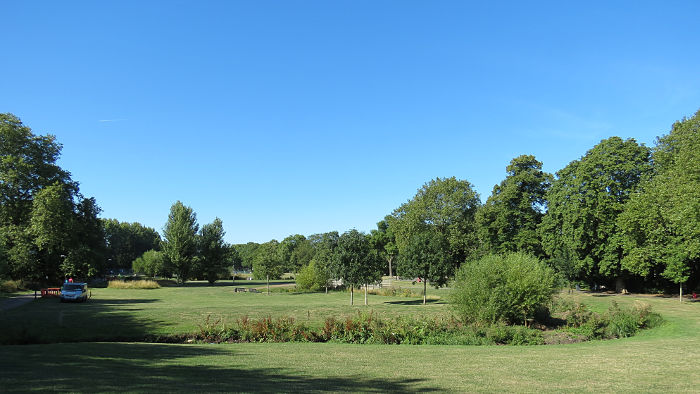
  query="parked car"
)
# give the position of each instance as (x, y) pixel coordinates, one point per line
(74, 292)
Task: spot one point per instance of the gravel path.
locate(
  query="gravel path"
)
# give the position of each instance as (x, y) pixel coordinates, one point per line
(14, 302)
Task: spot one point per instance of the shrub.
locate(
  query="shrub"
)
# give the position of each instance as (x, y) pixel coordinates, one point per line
(134, 284)
(152, 263)
(617, 322)
(506, 288)
(10, 286)
(311, 277)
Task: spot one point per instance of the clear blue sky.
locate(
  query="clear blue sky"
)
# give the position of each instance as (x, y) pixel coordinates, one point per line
(285, 117)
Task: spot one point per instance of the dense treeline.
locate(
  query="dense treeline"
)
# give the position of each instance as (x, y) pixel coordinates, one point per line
(623, 216)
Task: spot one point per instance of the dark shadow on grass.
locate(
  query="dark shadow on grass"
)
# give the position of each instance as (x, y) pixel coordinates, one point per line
(50, 321)
(98, 301)
(413, 302)
(238, 283)
(148, 367)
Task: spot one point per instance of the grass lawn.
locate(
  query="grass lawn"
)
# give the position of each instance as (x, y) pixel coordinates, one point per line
(664, 359)
(130, 314)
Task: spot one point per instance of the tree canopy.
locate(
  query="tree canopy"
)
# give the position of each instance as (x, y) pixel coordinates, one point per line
(661, 223)
(128, 241)
(355, 262)
(48, 230)
(180, 240)
(446, 205)
(585, 201)
(509, 219)
(214, 253)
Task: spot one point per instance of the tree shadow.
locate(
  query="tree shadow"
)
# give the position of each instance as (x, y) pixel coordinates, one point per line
(50, 321)
(150, 367)
(413, 302)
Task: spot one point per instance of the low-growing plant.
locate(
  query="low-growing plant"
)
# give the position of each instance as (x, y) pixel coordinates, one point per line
(617, 322)
(394, 292)
(365, 328)
(134, 284)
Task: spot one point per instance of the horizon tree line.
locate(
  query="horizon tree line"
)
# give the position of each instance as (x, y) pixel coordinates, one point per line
(622, 215)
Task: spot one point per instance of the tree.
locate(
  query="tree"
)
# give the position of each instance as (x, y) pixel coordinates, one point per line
(214, 252)
(324, 246)
(268, 263)
(426, 257)
(584, 203)
(355, 262)
(47, 228)
(509, 219)
(295, 252)
(128, 241)
(448, 206)
(247, 253)
(27, 165)
(661, 223)
(384, 242)
(180, 240)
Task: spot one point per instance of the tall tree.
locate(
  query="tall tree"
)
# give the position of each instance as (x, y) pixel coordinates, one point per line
(180, 240)
(355, 262)
(47, 228)
(584, 203)
(509, 219)
(426, 257)
(268, 263)
(324, 246)
(661, 224)
(214, 251)
(446, 205)
(384, 242)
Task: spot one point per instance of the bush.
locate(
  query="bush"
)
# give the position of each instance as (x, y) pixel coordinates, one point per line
(10, 286)
(503, 288)
(311, 277)
(617, 322)
(134, 284)
(152, 263)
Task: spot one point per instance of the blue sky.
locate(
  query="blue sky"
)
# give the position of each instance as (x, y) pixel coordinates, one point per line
(285, 117)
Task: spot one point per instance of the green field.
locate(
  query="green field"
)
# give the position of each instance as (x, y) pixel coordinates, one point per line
(666, 358)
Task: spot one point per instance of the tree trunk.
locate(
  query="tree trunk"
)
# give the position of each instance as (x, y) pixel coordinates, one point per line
(365, 294)
(268, 285)
(351, 295)
(425, 287)
(680, 292)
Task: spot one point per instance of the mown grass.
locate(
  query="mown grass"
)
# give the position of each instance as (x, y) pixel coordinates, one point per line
(664, 359)
(135, 313)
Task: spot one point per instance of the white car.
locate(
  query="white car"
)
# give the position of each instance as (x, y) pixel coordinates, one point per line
(74, 292)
